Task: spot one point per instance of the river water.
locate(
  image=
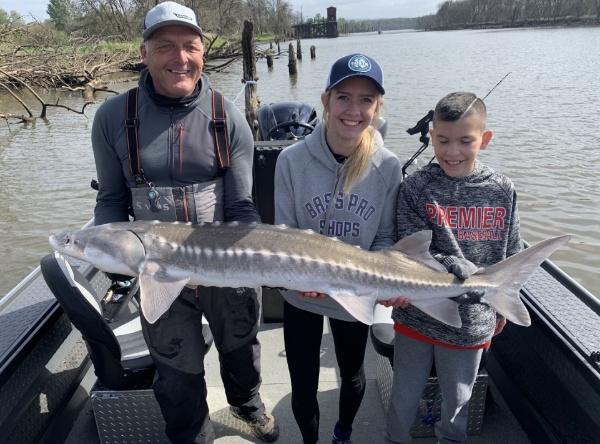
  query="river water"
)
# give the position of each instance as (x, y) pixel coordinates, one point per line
(544, 117)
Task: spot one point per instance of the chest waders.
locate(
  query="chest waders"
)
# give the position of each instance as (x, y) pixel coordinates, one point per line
(201, 202)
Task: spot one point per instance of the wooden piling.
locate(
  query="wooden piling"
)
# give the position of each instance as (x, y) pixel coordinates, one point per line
(292, 61)
(298, 49)
(313, 52)
(249, 60)
(269, 59)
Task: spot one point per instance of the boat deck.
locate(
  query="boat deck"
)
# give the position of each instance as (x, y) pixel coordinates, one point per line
(499, 426)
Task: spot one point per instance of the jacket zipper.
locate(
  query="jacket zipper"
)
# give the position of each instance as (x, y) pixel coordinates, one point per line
(180, 146)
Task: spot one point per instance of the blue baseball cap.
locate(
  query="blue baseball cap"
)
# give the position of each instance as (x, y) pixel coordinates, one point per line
(169, 13)
(355, 65)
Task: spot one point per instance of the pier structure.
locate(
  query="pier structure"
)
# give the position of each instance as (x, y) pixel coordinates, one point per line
(327, 27)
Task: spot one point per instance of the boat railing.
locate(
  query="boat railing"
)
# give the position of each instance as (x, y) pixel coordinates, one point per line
(581, 310)
(583, 294)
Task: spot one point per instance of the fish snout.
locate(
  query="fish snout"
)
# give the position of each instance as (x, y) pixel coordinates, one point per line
(60, 240)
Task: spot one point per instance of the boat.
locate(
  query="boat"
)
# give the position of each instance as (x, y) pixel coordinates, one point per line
(58, 383)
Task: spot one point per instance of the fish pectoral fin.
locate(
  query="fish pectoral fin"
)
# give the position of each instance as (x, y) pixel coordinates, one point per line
(359, 306)
(444, 310)
(157, 295)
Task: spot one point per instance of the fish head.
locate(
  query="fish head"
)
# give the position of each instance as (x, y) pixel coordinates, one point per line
(109, 248)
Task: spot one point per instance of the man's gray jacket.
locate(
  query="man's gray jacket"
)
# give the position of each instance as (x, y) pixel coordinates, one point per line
(176, 149)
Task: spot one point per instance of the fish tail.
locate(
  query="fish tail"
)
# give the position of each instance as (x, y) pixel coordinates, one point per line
(511, 274)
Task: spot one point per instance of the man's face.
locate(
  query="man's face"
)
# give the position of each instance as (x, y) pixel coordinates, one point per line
(456, 145)
(174, 56)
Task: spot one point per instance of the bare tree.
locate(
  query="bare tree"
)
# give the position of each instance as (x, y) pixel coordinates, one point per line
(555, 8)
(452, 13)
(280, 16)
(218, 17)
(256, 10)
(116, 19)
(596, 4)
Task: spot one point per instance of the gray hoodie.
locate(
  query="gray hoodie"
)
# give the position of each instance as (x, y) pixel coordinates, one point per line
(476, 218)
(307, 179)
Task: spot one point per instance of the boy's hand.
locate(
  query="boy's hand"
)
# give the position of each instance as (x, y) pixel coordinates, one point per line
(312, 295)
(399, 302)
(472, 297)
(460, 267)
(500, 323)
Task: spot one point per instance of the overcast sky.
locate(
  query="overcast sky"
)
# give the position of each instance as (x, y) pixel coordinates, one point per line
(348, 9)
(27, 8)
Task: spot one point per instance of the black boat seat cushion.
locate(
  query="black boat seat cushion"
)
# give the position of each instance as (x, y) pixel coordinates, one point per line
(117, 350)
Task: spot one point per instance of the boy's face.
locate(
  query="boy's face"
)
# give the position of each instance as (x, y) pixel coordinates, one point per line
(456, 144)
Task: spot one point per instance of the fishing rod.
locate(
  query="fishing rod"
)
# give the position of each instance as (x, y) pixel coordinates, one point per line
(422, 127)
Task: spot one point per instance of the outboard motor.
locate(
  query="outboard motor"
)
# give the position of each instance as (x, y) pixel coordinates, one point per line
(286, 121)
(383, 127)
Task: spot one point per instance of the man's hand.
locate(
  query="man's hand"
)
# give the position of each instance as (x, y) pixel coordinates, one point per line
(399, 302)
(115, 277)
(312, 295)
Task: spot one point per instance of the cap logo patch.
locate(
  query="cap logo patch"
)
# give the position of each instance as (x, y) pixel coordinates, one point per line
(183, 16)
(359, 63)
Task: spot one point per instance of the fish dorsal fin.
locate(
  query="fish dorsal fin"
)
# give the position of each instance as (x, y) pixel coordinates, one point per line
(416, 246)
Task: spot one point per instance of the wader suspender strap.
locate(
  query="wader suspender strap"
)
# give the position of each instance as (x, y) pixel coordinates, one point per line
(220, 128)
(131, 134)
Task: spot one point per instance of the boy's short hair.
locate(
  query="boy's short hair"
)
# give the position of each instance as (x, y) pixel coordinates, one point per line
(458, 105)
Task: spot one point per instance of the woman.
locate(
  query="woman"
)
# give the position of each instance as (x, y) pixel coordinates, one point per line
(340, 181)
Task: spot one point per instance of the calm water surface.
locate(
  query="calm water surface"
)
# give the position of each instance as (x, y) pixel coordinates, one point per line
(543, 116)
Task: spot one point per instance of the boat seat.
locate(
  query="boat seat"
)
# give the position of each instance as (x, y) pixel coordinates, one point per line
(117, 349)
(382, 337)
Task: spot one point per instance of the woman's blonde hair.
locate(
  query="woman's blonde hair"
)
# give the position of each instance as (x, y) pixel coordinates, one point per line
(355, 166)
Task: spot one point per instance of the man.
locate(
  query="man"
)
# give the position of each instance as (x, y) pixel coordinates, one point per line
(162, 154)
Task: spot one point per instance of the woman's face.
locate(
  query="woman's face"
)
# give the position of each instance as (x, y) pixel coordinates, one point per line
(350, 108)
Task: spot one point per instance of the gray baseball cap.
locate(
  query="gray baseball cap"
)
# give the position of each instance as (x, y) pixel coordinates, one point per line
(169, 13)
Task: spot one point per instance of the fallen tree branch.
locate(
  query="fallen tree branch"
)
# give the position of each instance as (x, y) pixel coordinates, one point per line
(17, 98)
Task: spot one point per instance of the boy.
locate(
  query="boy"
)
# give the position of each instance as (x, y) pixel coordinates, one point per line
(472, 212)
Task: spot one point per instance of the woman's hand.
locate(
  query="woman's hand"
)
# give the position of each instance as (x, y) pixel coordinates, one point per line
(312, 295)
(399, 302)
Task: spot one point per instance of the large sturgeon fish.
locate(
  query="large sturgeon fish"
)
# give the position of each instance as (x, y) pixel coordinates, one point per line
(169, 256)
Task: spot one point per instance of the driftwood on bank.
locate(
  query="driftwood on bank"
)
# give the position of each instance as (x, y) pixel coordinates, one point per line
(74, 65)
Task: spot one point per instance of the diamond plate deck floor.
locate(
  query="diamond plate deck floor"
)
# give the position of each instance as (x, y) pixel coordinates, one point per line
(498, 425)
